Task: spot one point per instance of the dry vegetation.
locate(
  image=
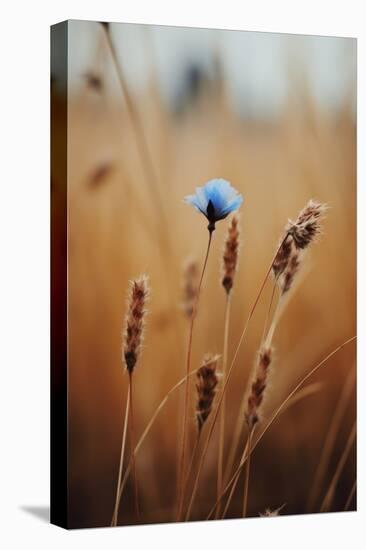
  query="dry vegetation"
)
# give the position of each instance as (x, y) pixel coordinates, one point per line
(122, 225)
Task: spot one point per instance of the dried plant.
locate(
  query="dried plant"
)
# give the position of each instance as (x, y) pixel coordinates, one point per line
(206, 388)
(132, 338)
(307, 225)
(230, 257)
(268, 513)
(230, 261)
(258, 387)
(299, 234)
(190, 286)
(133, 334)
(282, 257)
(287, 277)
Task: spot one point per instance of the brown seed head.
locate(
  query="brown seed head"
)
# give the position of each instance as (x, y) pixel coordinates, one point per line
(308, 224)
(283, 255)
(135, 321)
(287, 278)
(258, 386)
(206, 388)
(230, 258)
(190, 286)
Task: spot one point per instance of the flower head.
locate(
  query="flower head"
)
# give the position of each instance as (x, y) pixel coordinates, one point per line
(216, 199)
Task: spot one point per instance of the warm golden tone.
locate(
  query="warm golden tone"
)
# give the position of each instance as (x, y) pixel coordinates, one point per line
(258, 270)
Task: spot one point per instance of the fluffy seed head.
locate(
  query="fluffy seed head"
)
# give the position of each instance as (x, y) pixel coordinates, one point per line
(134, 323)
(206, 388)
(190, 286)
(307, 225)
(299, 235)
(258, 386)
(230, 258)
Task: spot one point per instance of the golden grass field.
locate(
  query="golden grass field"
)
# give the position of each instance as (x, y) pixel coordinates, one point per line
(121, 225)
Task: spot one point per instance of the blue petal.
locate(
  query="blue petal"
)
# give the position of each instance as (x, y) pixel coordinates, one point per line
(217, 191)
(233, 205)
(194, 201)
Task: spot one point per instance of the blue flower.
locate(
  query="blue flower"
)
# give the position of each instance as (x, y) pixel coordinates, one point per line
(216, 199)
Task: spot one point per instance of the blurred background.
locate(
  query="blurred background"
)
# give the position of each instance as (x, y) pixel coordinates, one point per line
(276, 116)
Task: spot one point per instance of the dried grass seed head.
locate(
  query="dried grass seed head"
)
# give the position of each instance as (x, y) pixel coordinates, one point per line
(282, 257)
(258, 387)
(286, 279)
(190, 286)
(207, 381)
(231, 252)
(135, 319)
(307, 226)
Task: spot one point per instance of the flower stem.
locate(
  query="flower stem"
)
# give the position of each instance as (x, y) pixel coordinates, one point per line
(123, 445)
(223, 406)
(230, 370)
(186, 393)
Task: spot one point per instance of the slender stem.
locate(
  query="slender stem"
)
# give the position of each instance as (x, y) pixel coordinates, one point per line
(327, 501)
(148, 428)
(223, 407)
(208, 439)
(278, 411)
(312, 388)
(141, 140)
(188, 474)
(247, 473)
(308, 390)
(350, 496)
(269, 310)
(186, 392)
(123, 445)
(330, 438)
(133, 459)
(273, 326)
(239, 421)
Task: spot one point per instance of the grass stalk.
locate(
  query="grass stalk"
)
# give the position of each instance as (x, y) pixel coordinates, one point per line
(327, 501)
(223, 406)
(247, 474)
(147, 430)
(186, 389)
(330, 438)
(350, 496)
(230, 370)
(281, 408)
(133, 458)
(114, 521)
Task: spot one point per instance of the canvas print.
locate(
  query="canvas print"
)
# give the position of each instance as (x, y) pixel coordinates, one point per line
(203, 246)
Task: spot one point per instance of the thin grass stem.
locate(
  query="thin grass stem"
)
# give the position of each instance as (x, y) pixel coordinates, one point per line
(350, 496)
(120, 469)
(247, 474)
(147, 430)
(186, 389)
(223, 407)
(330, 438)
(208, 439)
(327, 501)
(278, 411)
(133, 458)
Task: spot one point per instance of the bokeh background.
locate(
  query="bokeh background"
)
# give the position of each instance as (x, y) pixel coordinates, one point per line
(275, 115)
